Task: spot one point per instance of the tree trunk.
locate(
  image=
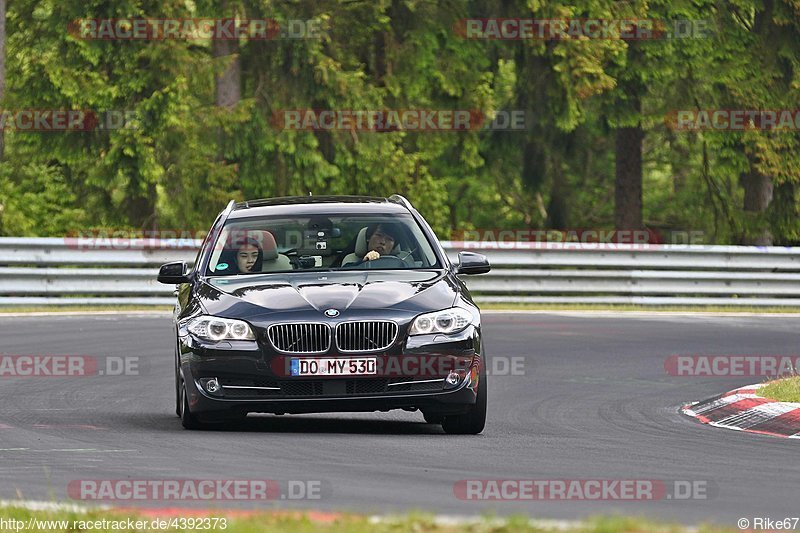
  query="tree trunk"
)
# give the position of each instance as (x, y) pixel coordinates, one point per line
(557, 208)
(758, 188)
(628, 186)
(757, 198)
(380, 58)
(140, 207)
(281, 178)
(2, 70)
(229, 83)
(628, 172)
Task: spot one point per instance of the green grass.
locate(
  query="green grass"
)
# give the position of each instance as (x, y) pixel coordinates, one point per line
(782, 390)
(487, 306)
(639, 308)
(291, 521)
(79, 308)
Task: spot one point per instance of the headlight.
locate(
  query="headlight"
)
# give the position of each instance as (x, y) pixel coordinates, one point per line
(215, 329)
(445, 321)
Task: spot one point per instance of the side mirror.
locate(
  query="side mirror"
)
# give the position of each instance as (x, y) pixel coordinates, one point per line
(472, 263)
(173, 273)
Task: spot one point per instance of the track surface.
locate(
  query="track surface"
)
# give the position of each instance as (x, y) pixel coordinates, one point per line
(594, 403)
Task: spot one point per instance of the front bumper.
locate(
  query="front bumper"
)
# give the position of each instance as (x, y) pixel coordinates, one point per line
(448, 402)
(253, 380)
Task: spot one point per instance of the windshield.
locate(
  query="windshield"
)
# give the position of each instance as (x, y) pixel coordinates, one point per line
(320, 242)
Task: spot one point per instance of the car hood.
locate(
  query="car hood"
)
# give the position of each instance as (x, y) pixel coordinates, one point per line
(414, 291)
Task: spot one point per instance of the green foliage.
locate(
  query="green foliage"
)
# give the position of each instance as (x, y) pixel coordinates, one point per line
(183, 158)
(37, 200)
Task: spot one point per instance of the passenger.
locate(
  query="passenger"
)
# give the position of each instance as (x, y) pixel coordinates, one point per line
(242, 257)
(249, 257)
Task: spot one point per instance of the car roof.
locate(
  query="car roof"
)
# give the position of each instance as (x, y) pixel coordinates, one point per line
(313, 205)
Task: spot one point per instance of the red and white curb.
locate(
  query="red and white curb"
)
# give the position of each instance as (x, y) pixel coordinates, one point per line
(741, 409)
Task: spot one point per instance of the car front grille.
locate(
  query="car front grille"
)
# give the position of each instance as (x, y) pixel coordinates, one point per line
(334, 387)
(300, 337)
(366, 386)
(301, 388)
(315, 338)
(365, 336)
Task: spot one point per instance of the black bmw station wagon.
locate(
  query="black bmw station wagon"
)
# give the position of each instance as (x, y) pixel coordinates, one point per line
(322, 304)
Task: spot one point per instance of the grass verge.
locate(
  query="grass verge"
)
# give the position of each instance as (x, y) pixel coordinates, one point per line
(782, 390)
(638, 308)
(486, 306)
(288, 521)
(80, 308)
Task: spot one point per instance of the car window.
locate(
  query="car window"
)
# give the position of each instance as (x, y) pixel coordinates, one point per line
(204, 246)
(260, 245)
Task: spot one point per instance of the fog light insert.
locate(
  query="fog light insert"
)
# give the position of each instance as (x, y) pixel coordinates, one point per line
(453, 379)
(211, 385)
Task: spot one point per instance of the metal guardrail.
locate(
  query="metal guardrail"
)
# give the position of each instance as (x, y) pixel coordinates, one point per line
(66, 271)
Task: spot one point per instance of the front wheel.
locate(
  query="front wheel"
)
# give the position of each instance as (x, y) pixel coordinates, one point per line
(178, 393)
(188, 420)
(473, 421)
(433, 418)
(178, 380)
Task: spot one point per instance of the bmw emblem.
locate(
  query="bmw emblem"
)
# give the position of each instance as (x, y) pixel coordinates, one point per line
(331, 313)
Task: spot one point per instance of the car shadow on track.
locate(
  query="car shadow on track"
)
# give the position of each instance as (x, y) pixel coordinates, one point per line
(306, 424)
(296, 424)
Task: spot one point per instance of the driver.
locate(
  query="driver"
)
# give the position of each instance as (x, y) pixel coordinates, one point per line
(380, 241)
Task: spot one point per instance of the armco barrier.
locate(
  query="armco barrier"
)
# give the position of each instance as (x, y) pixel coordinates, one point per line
(45, 271)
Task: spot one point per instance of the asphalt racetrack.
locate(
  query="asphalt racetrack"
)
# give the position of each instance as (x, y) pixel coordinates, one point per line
(592, 401)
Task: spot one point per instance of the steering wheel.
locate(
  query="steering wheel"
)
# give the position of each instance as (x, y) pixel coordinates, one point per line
(384, 261)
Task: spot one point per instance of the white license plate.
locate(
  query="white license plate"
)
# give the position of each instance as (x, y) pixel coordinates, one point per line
(356, 366)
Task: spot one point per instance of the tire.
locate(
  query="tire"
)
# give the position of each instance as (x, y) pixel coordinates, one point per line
(178, 381)
(188, 420)
(473, 421)
(433, 418)
(178, 397)
(236, 419)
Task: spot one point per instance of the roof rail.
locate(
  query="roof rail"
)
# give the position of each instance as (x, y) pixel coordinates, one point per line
(398, 199)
